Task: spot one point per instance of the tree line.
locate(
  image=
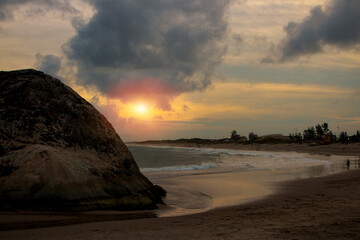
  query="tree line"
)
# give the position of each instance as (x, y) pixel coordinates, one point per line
(319, 133)
(322, 134)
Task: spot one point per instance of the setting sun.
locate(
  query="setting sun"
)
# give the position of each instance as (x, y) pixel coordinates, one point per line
(141, 108)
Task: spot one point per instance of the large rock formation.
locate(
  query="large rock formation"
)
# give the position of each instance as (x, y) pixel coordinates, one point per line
(57, 152)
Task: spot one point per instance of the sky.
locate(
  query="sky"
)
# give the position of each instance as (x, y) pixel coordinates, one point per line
(168, 69)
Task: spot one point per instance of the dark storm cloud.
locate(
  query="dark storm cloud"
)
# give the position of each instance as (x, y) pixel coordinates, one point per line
(49, 64)
(7, 7)
(177, 41)
(337, 25)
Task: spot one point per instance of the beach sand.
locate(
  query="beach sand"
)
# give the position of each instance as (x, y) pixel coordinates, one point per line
(314, 208)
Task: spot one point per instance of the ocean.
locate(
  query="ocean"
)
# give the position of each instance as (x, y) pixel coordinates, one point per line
(192, 160)
(201, 179)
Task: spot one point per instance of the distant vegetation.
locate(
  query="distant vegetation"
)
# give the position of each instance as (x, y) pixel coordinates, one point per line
(320, 134)
(323, 135)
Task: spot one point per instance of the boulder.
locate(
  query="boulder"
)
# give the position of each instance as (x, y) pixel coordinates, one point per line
(58, 153)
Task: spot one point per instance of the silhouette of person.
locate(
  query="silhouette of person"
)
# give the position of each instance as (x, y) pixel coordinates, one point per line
(348, 163)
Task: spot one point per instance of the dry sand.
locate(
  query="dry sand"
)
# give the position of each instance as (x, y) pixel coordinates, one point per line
(316, 208)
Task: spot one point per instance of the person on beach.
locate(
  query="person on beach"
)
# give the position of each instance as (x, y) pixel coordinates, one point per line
(348, 163)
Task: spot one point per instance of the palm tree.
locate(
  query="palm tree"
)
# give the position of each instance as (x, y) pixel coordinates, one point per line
(234, 136)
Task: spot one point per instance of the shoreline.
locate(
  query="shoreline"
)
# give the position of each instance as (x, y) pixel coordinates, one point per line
(231, 184)
(315, 208)
(310, 208)
(351, 149)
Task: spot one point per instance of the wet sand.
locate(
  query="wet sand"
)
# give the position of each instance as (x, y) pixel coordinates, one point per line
(314, 208)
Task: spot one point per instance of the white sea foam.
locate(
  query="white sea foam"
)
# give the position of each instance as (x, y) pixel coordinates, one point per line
(180, 168)
(225, 159)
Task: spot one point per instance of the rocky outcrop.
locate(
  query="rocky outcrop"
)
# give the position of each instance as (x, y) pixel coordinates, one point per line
(57, 152)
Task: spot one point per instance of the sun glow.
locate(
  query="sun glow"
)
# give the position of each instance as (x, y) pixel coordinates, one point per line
(141, 108)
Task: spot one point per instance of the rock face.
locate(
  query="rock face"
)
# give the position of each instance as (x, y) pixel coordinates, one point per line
(57, 152)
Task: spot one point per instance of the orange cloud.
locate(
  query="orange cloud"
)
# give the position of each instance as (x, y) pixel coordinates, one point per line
(149, 90)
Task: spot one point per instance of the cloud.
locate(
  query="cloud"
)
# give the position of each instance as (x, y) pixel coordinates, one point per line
(177, 42)
(110, 111)
(144, 89)
(49, 64)
(338, 25)
(157, 118)
(186, 108)
(7, 7)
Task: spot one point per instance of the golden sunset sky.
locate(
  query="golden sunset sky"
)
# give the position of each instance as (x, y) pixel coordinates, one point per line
(167, 69)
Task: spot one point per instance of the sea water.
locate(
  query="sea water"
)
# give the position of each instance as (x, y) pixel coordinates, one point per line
(181, 159)
(200, 179)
